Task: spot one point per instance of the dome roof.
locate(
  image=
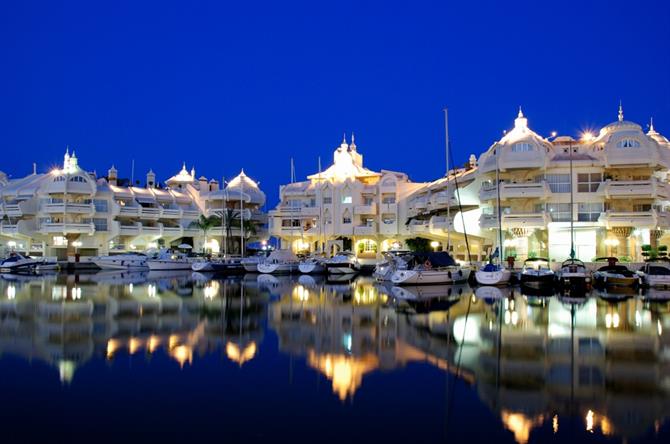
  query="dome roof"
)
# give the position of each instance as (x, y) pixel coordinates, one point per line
(245, 185)
(659, 138)
(182, 176)
(620, 125)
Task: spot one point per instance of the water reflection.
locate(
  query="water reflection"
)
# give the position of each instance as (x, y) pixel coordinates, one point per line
(535, 361)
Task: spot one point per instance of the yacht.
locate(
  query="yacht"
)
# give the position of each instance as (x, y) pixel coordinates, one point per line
(250, 263)
(537, 274)
(655, 275)
(16, 263)
(393, 261)
(574, 275)
(436, 268)
(228, 266)
(126, 261)
(613, 275)
(493, 274)
(279, 262)
(167, 260)
(312, 265)
(344, 262)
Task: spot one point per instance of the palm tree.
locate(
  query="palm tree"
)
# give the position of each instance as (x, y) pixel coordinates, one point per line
(232, 220)
(205, 223)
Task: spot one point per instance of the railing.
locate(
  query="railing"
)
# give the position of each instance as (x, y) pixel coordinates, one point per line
(636, 188)
(366, 209)
(388, 208)
(488, 221)
(641, 219)
(8, 229)
(63, 207)
(511, 190)
(418, 226)
(440, 223)
(150, 212)
(190, 213)
(130, 230)
(365, 229)
(525, 220)
(67, 228)
(130, 211)
(171, 213)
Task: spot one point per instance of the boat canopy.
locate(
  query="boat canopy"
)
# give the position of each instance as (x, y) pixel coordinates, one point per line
(437, 259)
(536, 259)
(283, 255)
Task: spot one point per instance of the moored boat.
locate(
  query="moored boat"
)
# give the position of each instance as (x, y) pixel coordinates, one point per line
(431, 269)
(344, 262)
(167, 260)
(573, 275)
(227, 266)
(655, 275)
(493, 274)
(613, 275)
(16, 263)
(537, 274)
(312, 265)
(279, 262)
(126, 261)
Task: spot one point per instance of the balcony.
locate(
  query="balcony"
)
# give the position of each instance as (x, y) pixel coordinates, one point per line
(192, 231)
(150, 231)
(172, 231)
(488, 192)
(525, 220)
(438, 223)
(388, 208)
(12, 209)
(488, 221)
(67, 228)
(366, 209)
(70, 208)
(442, 200)
(129, 230)
(8, 229)
(130, 211)
(643, 189)
(190, 213)
(521, 190)
(171, 213)
(419, 226)
(365, 230)
(638, 219)
(151, 213)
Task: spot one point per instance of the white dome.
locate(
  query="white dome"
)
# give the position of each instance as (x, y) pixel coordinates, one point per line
(243, 184)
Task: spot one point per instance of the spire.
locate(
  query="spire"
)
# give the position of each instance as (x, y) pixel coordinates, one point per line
(620, 111)
(520, 122)
(352, 146)
(651, 126)
(344, 138)
(520, 115)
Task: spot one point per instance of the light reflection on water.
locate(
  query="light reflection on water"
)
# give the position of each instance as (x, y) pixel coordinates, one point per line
(534, 362)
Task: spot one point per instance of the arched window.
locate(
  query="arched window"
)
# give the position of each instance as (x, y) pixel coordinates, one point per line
(327, 219)
(522, 147)
(346, 217)
(628, 143)
(59, 179)
(346, 195)
(78, 179)
(388, 182)
(327, 195)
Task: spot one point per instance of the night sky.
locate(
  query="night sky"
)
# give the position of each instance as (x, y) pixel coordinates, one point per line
(226, 85)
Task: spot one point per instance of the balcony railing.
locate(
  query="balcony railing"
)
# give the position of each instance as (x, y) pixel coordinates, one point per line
(419, 226)
(75, 208)
(8, 229)
(440, 223)
(366, 230)
(525, 220)
(521, 190)
(640, 219)
(370, 208)
(626, 189)
(67, 228)
(130, 211)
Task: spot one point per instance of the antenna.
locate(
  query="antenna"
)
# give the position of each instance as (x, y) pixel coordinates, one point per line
(132, 173)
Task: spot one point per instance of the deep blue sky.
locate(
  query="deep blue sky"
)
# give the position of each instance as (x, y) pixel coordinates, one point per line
(250, 84)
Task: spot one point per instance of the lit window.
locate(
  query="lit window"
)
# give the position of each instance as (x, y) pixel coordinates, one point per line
(346, 199)
(628, 143)
(59, 179)
(522, 147)
(388, 220)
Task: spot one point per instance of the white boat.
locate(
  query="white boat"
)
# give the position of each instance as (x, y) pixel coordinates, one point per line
(228, 266)
(125, 261)
(493, 274)
(167, 260)
(16, 263)
(392, 262)
(655, 275)
(312, 265)
(279, 262)
(344, 262)
(250, 263)
(436, 268)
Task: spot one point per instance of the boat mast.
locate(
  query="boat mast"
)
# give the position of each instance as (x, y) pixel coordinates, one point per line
(446, 142)
(320, 211)
(223, 216)
(498, 209)
(572, 208)
(242, 213)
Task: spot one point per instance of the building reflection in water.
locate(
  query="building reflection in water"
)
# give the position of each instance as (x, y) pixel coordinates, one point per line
(538, 363)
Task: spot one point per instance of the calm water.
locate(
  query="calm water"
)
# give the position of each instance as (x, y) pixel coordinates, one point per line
(181, 357)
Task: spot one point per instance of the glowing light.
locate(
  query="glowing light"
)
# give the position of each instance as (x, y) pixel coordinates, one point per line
(151, 245)
(134, 345)
(587, 136)
(211, 289)
(554, 424)
(346, 372)
(112, 347)
(611, 242)
(66, 371)
(554, 134)
(151, 290)
(519, 424)
(638, 318)
(300, 293)
(75, 293)
(182, 354)
(659, 327)
(154, 343)
(130, 288)
(240, 356)
(434, 244)
(11, 244)
(11, 292)
(589, 421)
(615, 320)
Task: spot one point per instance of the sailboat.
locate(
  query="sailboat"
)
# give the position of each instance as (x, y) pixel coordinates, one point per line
(573, 275)
(495, 274)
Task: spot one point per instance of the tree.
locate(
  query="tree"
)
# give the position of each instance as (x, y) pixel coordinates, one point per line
(205, 223)
(418, 244)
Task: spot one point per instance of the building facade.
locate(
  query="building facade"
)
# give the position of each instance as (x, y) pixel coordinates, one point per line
(70, 211)
(344, 207)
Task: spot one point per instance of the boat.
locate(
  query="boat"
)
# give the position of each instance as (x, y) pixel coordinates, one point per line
(613, 275)
(493, 274)
(279, 262)
(125, 261)
(537, 274)
(250, 263)
(431, 269)
(167, 260)
(312, 265)
(227, 266)
(344, 262)
(393, 261)
(573, 275)
(655, 275)
(17, 263)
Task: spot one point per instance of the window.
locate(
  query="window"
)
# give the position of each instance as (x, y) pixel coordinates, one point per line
(558, 183)
(589, 212)
(326, 218)
(522, 147)
(388, 182)
(388, 220)
(368, 201)
(628, 143)
(59, 179)
(100, 205)
(588, 182)
(642, 207)
(327, 200)
(346, 217)
(560, 212)
(388, 199)
(78, 179)
(346, 199)
(100, 224)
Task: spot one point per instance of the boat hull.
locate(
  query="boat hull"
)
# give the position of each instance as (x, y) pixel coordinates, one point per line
(311, 268)
(430, 277)
(537, 281)
(121, 264)
(166, 265)
(498, 277)
(283, 268)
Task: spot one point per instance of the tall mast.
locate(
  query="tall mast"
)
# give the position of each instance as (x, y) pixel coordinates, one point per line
(446, 143)
(320, 211)
(223, 215)
(572, 209)
(498, 209)
(242, 213)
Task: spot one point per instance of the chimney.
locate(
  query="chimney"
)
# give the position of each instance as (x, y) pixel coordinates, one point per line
(34, 168)
(213, 185)
(202, 181)
(151, 179)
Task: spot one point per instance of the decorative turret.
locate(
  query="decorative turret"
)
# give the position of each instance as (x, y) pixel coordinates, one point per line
(151, 179)
(213, 185)
(112, 176)
(202, 182)
(620, 111)
(472, 161)
(520, 122)
(352, 146)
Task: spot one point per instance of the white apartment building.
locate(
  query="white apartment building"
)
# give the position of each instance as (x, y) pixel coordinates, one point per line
(620, 199)
(344, 207)
(69, 210)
